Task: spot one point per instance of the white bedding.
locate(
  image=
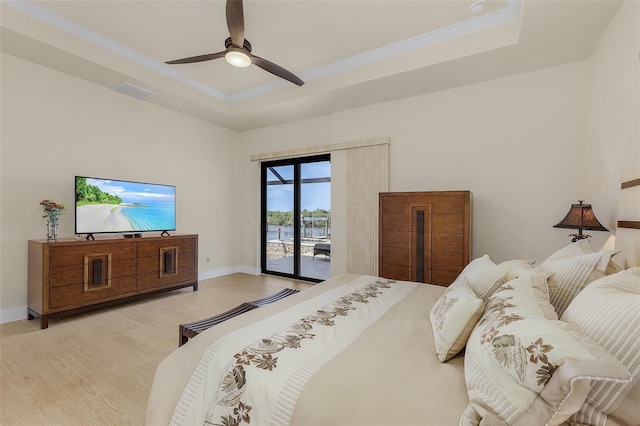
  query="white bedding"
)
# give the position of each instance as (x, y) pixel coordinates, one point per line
(382, 370)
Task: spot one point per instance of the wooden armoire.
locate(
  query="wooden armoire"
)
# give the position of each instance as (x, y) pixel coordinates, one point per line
(424, 236)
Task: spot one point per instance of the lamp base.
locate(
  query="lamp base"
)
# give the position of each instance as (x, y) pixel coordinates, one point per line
(577, 237)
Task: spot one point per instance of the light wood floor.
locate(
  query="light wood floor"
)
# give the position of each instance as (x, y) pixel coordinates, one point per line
(97, 368)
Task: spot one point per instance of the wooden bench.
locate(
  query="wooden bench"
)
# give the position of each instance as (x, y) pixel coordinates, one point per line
(279, 295)
(192, 329)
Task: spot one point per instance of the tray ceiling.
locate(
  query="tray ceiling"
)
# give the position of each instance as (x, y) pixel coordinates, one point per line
(350, 53)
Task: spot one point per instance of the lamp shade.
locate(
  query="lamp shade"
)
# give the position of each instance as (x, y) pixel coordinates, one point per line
(581, 217)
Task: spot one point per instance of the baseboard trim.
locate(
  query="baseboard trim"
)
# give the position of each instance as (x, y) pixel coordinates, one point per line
(13, 314)
(205, 275)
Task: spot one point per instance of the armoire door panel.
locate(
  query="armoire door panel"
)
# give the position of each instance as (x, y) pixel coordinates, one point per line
(448, 261)
(448, 223)
(428, 245)
(426, 277)
(396, 222)
(450, 243)
(396, 255)
(420, 241)
(436, 246)
(396, 207)
(426, 209)
(400, 239)
(448, 205)
(396, 272)
(444, 278)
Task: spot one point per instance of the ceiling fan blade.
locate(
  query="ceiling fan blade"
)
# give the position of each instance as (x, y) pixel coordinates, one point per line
(235, 22)
(276, 70)
(200, 58)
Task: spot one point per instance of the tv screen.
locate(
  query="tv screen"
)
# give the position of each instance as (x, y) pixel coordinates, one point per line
(109, 205)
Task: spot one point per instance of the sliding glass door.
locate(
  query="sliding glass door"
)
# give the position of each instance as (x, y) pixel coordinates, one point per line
(296, 217)
(278, 218)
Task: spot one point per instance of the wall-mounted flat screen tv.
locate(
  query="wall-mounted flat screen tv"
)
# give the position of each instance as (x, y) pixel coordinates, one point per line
(119, 206)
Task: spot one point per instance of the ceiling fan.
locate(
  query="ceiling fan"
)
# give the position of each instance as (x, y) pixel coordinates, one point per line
(238, 48)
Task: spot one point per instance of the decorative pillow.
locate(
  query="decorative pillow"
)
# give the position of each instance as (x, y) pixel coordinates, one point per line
(608, 311)
(529, 294)
(523, 368)
(470, 417)
(540, 282)
(584, 247)
(453, 317)
(573, 249)
(484, 276)
(574, 273)
(517, 267)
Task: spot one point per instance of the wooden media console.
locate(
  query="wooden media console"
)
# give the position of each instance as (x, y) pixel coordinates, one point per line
(70, 276)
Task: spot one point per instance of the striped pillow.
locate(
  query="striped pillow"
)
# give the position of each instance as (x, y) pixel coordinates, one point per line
(523, 368)
(574, 249)
(572, 274)
(608, 311)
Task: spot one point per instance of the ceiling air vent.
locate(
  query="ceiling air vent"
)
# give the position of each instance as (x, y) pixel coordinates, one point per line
(133, 91)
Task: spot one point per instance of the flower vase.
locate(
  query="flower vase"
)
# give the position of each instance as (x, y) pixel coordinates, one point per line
(52, 229)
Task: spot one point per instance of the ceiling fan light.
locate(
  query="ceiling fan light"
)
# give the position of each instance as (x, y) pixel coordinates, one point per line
(238, 58)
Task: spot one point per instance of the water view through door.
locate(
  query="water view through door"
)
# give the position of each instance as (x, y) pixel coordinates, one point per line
(296, 217)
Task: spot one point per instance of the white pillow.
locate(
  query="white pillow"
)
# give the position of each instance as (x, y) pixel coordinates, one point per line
(574, 249)
(608, 311)
(453, 317)
(484, 276)
(584, 247)
(574, 273)
(522, 368)
(517, 267)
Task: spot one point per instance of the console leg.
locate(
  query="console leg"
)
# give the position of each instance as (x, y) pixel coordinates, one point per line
(44, 322)
(195, 287)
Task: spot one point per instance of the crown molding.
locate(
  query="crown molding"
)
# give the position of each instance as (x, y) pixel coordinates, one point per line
(477, 23)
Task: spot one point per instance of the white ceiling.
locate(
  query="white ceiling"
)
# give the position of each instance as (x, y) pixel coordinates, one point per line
(350, 53)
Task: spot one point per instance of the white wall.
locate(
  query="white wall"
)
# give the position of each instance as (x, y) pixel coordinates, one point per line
(527, 146)
(515, 142)
(613, 143)
(55, 126)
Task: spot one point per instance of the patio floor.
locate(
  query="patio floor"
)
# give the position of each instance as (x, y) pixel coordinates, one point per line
(318, 267)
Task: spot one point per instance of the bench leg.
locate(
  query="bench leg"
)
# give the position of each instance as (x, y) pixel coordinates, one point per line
(182, 338)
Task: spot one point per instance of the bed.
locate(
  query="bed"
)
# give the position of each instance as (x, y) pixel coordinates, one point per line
(415, 363)
(508, 343)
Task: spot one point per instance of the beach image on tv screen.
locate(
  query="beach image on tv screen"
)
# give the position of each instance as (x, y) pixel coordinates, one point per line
(104, 205)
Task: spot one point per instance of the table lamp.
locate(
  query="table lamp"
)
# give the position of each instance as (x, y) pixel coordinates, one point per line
(580, 217)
